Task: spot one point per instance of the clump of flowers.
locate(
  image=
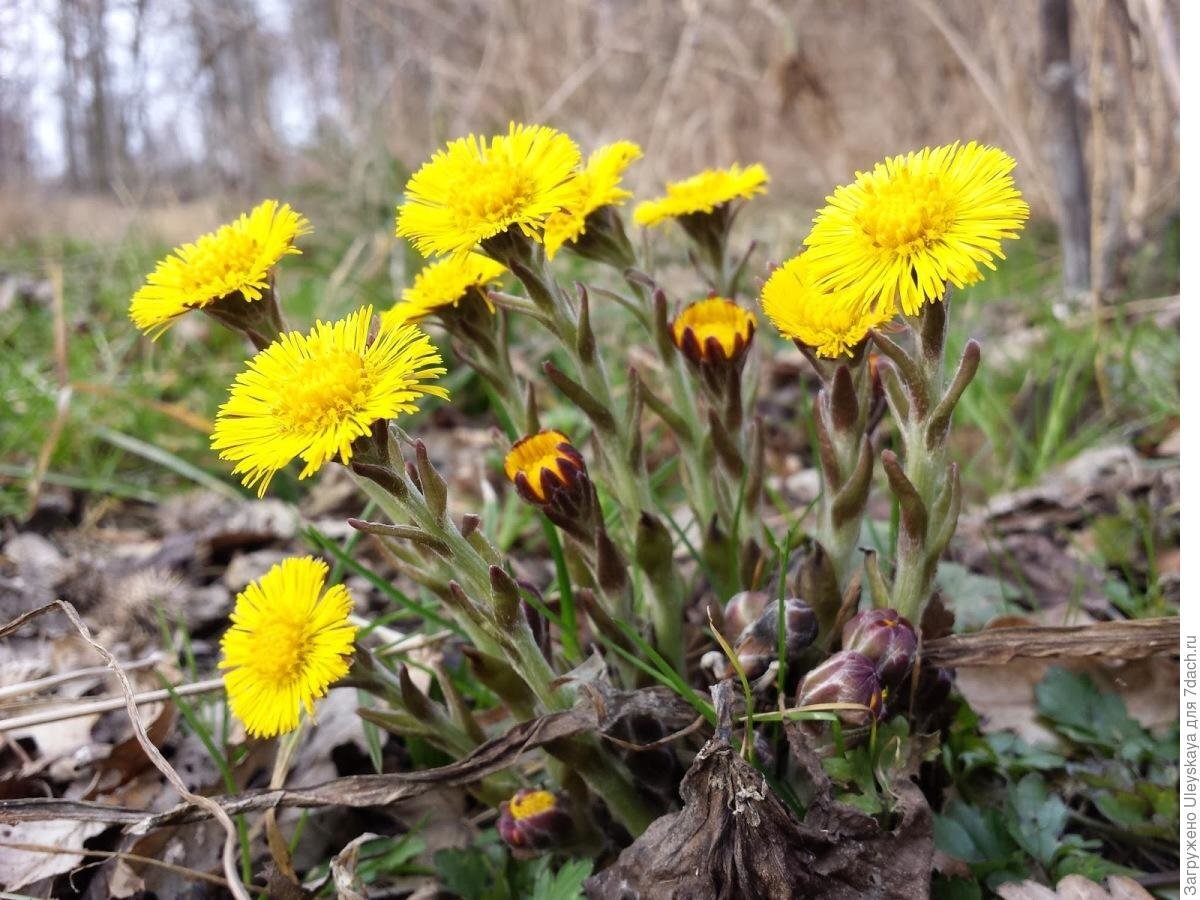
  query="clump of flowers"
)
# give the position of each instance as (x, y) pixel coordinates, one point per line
(661, 492)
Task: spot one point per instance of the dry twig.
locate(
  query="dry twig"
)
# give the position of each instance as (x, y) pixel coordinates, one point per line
(210, 806)
(1135, 639)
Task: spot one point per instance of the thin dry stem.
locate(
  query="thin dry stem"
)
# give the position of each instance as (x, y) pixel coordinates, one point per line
(228, 856)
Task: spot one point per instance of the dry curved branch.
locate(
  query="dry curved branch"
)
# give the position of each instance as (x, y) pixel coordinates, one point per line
(592, 714)
(191, 800)
(1113, 640)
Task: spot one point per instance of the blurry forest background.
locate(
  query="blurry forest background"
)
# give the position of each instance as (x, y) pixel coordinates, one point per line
(155, 104)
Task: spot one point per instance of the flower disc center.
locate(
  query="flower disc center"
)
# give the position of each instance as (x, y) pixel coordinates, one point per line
(907, 213)
(326, 389)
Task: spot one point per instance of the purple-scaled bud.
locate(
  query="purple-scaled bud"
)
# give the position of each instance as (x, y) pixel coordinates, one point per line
(846, 677)
(743, 610)
(533, 821)
(759, 643)
(887, 639)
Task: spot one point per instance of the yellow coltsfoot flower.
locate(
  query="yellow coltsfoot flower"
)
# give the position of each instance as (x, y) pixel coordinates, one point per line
(901, 233)
(478, 188)
(713, 331)
(444, 284)
(831, 322)
(310, 396)
(703, 193)
(233, 263)
(290, 639)
(599, 186)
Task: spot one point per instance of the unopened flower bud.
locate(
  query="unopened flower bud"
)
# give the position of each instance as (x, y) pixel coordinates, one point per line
(550, 473)
(713, 332)
(887, 639)
(846, 677)
(759, 643)
(534, 820)
(742, 611)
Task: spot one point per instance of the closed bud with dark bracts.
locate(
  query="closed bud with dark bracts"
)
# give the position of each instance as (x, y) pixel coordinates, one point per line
(550, 473)
(533, 821)
(887, 639)
(713, 335)
(846, 677)
(742, 611)
(758, 644)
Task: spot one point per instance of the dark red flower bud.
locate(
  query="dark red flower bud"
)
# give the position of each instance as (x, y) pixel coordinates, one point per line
(550, 473)
(714, 331)
(846, 677)
(887, 639)
(534, 821)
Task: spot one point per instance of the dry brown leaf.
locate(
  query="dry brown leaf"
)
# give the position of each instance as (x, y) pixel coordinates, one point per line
(21, 867)
(598, 712)
(1076, 887)
(734, 839)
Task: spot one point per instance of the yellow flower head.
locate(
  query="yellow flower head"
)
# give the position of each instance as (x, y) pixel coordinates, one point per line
(477, 188)
(713, 330)
(599, 185)
(441, 284)
(288, 642)
(311, 395)
(542, 463)
(235, 259)
(914, 224)
(832, 322)
(703, 193)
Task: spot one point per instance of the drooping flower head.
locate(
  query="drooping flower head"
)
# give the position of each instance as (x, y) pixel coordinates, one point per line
(290, 639)
(901, 233)
(832, 322)
(599, 185)
(234, 261)
(714, 330)
(478, 188)
(309, 396)
(703, 193)
(444, 284)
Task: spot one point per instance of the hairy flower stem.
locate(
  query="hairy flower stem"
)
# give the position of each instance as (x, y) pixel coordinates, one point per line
(513, 636)
(927, 485)
(629, 487)
(697, 470)
(627, 479)
(841, 412)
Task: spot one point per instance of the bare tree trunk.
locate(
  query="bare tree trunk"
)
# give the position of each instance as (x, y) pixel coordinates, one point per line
(69, 93)
(1064, 148)
(100, 137)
